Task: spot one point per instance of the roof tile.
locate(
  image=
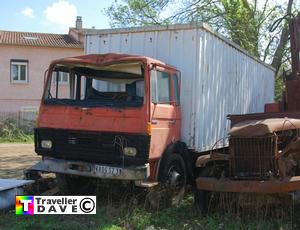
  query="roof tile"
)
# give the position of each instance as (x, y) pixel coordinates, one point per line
(38, 39)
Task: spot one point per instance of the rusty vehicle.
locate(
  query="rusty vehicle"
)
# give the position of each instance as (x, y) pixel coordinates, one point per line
(128, 118)
(263, 156)
(83, 132)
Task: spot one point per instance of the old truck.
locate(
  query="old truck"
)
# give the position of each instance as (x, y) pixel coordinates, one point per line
(134, 118)
(264, 148)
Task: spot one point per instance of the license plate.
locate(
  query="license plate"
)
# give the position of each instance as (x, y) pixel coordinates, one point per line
(107, 171)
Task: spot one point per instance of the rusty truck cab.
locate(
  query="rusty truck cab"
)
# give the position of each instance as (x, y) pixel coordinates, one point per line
(263, 158)
(108, 116)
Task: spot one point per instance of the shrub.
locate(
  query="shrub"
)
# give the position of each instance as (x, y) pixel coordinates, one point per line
(10, 132)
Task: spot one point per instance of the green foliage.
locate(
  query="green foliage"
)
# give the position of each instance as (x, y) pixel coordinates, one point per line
(245, 22)
(10, 132)
(279, 88)
(240, 20)
(137, 12)
(242, 24)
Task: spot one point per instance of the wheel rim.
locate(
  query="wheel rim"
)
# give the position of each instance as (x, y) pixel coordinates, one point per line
(175, 178)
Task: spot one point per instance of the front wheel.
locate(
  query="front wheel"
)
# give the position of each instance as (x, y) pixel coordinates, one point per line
(172, 180)
(75, 185)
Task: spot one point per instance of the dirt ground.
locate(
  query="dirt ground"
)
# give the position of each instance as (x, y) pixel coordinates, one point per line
(14, 158)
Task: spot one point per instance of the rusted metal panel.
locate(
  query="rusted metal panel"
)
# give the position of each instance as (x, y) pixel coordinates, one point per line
(217, 76)
(255, 128)
(295, 44)
(292, 95)
(203, 160)
(213, 156)
(256, 147)
(109, 58)
(253, 158)
(234, 119)
(273, 107)
(268, 186)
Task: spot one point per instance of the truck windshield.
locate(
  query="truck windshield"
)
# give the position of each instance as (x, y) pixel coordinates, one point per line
(118, 85)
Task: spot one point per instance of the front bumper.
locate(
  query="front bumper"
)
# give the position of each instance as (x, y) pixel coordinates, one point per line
(80, 168)
(249, 186)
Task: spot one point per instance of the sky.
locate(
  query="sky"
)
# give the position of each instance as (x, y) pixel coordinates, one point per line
(56, 16)
(52, 16)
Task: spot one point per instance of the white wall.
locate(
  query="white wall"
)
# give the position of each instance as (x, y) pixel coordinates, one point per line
(218, 77)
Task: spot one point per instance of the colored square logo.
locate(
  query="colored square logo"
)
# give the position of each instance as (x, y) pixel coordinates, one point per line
(24, 205)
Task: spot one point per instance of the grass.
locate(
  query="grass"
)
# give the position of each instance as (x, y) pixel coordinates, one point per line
(26, 139)
(131, 215)
(115, 217)
(11, 133)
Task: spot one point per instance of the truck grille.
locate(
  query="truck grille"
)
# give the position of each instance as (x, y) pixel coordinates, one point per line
(253, 158)
(97, 147)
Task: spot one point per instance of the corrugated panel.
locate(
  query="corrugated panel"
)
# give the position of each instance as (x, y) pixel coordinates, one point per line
(218, 78)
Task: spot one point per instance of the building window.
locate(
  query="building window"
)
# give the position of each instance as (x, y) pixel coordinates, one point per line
(19, 71)
(62, 77)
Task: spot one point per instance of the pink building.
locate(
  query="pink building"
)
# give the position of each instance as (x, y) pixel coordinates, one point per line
(24, 57)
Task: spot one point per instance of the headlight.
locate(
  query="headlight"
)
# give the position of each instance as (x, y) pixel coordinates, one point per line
(129, 151)
(46, 144)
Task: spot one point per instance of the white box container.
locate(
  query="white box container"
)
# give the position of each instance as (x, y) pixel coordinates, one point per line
(217, 76)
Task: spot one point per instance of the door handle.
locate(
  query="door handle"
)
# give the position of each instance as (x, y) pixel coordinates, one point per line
(154, 122)
(172, 122)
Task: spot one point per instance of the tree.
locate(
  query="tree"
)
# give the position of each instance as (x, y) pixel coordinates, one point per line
(283, 40)
(137, 13)
(245, 22)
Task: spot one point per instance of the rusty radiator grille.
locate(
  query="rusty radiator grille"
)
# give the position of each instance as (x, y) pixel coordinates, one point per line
(253, 158)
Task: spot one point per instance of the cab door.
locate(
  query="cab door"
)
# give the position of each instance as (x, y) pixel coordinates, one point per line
(165, 110)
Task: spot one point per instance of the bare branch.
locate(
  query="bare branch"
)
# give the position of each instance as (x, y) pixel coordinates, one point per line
(267, 50)
(276, 62)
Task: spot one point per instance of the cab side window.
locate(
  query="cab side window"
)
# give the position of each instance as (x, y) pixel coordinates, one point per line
(160, 87)
(176, 89)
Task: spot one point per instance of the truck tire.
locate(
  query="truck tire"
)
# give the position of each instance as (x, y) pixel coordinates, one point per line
(173, 179)
(202, 197)
(74, 185)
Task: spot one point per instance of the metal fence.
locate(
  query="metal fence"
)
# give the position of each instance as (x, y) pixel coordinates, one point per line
(24, 120)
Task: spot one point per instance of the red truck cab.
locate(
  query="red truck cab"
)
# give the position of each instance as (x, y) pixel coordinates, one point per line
(117, 118)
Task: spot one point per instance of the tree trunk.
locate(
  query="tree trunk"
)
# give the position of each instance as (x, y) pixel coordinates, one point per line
(284, 37)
